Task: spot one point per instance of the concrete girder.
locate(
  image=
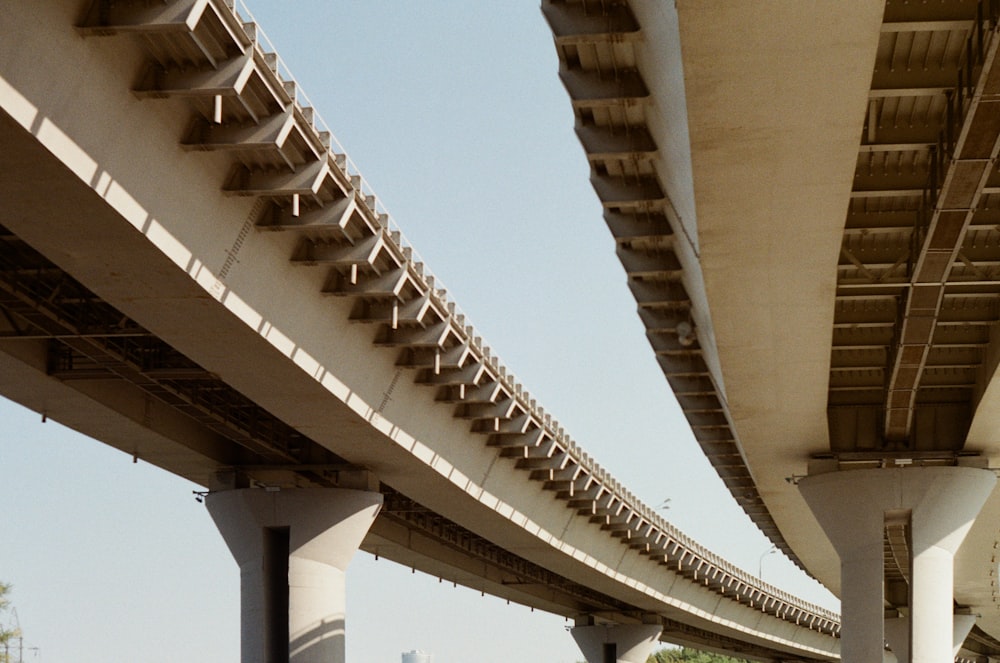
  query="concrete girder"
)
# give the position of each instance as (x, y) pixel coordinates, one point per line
(271, 134)
(517, 423)
(627, 227)
(661, 293)
(227, 79)
(313, 180)
(208, 34)
(438, 366)
(659, 263)
(590, 89)
(390, 310)
(364, 252)
(642, 192)
(487, 390)
(666, 318)
(603, 143)
(513, 435)
(571, 22)
(552, 460)
(504, 405)
(518, 441)
(467, 374)
(671, 345)
(562, 480)
(584, 497)
(339, 219)
(691, 384)
(679, 353)
(106, 18)
(388, 285)
(432, 336)
(416, 310)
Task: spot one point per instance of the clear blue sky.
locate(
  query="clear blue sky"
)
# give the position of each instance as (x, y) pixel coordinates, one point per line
(454, 112)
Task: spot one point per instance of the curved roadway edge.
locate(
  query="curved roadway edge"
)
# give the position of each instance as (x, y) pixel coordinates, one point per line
(87, 166)
(775, 98)
(734, 95)
(763, 89)
(677, 105)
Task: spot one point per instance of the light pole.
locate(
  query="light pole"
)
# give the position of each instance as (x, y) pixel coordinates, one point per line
(760, 562)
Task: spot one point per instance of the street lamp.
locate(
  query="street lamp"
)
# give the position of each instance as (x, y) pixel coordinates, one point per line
(760, 562)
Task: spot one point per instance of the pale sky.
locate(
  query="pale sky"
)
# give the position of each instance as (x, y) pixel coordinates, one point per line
(455, 114)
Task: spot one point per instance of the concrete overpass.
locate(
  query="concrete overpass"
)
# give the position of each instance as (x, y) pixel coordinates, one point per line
(804, 201)
(268, 333)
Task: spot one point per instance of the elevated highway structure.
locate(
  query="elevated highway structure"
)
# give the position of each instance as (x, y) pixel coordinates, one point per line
(804, 199)
(192, 271)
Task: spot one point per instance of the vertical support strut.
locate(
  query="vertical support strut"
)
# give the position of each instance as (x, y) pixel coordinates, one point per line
(616, 643)
(293, 548)
(851, 507)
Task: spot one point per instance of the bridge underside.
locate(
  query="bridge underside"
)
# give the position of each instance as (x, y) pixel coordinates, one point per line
(813, 243)
(276, 252)
(857, 198)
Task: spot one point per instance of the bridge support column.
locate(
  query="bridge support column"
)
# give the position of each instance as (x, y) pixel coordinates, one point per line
(614, 643)
(940, 505)
(962, 626)
(897, 634)
(293, 547)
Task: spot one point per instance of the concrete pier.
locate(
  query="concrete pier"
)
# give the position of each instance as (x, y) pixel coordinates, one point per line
(293, 548)
(940, 505)
(618, 643)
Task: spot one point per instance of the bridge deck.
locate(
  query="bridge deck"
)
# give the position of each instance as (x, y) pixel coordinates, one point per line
(816, 262)
(278, 251)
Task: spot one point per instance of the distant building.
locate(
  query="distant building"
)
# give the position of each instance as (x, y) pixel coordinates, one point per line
(417, 656)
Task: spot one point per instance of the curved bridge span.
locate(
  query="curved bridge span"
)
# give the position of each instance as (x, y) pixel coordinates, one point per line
(194, 272)
(804, 199)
